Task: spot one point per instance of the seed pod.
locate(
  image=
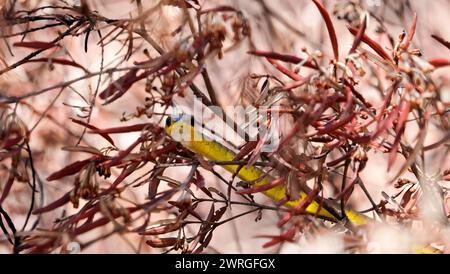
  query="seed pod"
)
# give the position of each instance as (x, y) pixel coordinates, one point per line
(162, 242)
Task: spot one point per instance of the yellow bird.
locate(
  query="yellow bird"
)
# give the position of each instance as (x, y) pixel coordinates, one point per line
(183, 131)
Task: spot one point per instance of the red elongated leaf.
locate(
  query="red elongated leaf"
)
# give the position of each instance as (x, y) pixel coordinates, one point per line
(405, 107)
(282, 201)
(346, 117)
(104, 135)
(57, 61)
(121, 85)
(387, 99)
(121, 90)
(182, 4)
(124, 129)
(331, 31)
(199, 180)
(385, 124)
(441, 40)
(283, 57)
(122, 154)
(34, 45)
(399, 129)
(285, 71)
(296, 84)
(328, 128)
(69, 170)
(154, 182)
(151, 205)
(301, 207)
(287, 236)
(162, 242)
(218, 214)
(204, 243)
(205, 231)
(439, 62)
(7, 187)
(84, 149)
(273, 242)
(58, 203)
(359, 36)
(209, 219)
(86, 213)
(329, 142)
(339, 160)
(102, 221)
(417, 148)
(208, 222)
(364, 139)
(357, 94)
(8, 143)
(285, 219)
(372, 43)
(262, 188)
(412, 31)
(256, 151)
(245, 150)
(219, 9)
(206, 191)
(296, 127)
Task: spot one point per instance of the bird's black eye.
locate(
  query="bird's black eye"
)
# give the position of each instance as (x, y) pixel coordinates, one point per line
(192, 121)
(168, 121)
